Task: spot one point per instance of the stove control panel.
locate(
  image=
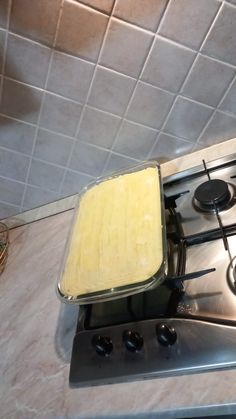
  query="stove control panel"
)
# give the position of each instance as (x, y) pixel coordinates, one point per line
(150, 348)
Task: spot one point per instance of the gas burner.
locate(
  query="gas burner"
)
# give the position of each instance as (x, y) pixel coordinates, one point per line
(231, 274)
(215, 193)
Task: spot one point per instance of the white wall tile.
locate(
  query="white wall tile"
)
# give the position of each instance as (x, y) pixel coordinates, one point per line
(27, 61)
(98, 127)
(88, 159)
(169, 147)
(111, 91)
(123, 48)
(221, 41)
(60, 114)
(149, 105)
(2, 46)
(20, 101)
(11, 191)
(13, 165)
(187, 21)
(45, 175)
(146, 15)
(16, 135)
(3, 13)
(135, 140)
(168, 65)
(6, 210)
(187, 119)
(117, 163)
(35, 19)
(222, 127)
(102, 5)
(35, 197)
(81, 30)
(70, 76)
(52, 147)
(131, 46)
(229, 102)
(208, 81)
(74, 182)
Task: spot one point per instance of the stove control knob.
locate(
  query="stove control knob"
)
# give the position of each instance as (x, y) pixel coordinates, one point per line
(102, 344)
(133, 340)
(166, 335)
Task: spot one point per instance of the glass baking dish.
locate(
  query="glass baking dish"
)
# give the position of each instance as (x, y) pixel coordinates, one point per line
(76, 245)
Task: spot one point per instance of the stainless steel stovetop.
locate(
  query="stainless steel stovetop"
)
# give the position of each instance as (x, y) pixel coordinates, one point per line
(181, 328)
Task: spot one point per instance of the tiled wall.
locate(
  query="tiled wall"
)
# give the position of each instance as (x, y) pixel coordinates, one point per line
(90, 86)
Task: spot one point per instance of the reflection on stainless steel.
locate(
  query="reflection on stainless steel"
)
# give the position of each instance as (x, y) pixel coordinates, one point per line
(184, 329)
(231, 274)
(200, 295)
(199, 345)
(216, 297)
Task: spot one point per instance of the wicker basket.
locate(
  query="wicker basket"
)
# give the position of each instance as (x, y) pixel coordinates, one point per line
(4, 243)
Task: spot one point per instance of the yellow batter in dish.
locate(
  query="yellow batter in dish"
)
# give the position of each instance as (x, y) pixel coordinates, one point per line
(117, 235)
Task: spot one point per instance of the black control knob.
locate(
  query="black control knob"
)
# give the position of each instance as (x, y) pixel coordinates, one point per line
(133, 340)
(166, 335)
(102, 344)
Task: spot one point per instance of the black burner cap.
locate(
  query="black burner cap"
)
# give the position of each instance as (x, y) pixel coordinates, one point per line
(213, 191)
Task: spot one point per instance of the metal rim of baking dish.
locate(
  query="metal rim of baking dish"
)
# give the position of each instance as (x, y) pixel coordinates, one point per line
(124, 290)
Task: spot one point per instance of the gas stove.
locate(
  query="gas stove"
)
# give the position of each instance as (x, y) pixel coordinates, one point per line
(188, 323)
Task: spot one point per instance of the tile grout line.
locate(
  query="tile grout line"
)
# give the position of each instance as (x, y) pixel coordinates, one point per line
(217, 109)
(199, 49)
(23, 122)
(95, 67)
(20, 153)
(50, 163)
(224, 94)
(86, 99)
(17, 120)
(8, 203)
(42, 89)
(5, 48)
(101, 110)
(211, 26)
(157, 35)
(217, 60)
(166, 10)
(30, 40)
(88, 6)
(42, 103)
(122, 119)
(197, 52)
(178, 94)
(79, 172)
(39, 187)
(133, 93)
(132, 25)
